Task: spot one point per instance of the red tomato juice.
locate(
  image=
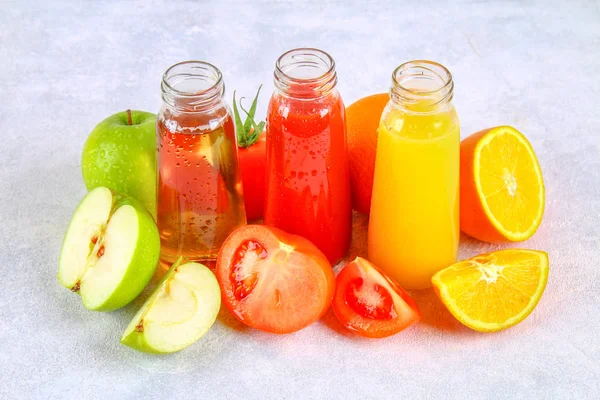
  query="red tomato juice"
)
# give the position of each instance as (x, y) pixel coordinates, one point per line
(308, 185)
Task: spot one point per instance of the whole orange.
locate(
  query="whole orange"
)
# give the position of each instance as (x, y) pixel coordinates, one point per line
(362, 119)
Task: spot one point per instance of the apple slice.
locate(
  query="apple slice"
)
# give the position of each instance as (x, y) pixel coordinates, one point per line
(110, 250)
(180, 311)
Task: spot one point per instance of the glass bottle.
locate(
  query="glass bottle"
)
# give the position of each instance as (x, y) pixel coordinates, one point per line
(414, 219)
(199, 183)
(308, 181)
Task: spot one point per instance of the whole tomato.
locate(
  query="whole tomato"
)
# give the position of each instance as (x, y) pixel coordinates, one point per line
(252, 157)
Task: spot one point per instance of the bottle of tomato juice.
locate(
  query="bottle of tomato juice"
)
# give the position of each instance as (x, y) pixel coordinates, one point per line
(308, 183)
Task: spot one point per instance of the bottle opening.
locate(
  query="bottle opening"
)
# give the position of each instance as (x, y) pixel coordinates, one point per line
(421, 85)
(305, 73)
(192, 85)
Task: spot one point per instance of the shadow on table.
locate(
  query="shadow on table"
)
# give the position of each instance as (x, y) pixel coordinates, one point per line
(433, 312)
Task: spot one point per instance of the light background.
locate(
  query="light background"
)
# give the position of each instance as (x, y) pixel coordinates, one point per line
(65, 66)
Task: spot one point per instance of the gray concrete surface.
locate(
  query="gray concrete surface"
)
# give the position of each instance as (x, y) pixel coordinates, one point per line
(66, 65)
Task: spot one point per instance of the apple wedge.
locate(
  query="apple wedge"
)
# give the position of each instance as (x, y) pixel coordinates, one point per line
(182, 308)
(110, 250)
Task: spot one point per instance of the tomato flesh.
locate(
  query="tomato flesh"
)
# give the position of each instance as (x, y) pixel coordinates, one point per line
(243, 282)
(369, 300)
(370, 304)
(272, 280)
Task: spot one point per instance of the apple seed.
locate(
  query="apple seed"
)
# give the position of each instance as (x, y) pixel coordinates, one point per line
(76, 287)
(140, 327)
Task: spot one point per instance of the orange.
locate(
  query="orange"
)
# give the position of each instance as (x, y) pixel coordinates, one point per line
(493, 291)
(362, 121)
(501, 186)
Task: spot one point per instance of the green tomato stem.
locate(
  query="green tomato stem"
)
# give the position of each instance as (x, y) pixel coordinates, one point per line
(248, 132)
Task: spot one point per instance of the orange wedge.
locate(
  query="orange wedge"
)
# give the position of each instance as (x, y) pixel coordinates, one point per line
(493, 291)
(501, 186)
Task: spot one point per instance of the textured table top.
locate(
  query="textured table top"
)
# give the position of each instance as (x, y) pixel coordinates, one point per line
(68, 65)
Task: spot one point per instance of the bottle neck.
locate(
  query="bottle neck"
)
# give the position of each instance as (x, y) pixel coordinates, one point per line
(305, 73)
(421, 86)
(192, 86)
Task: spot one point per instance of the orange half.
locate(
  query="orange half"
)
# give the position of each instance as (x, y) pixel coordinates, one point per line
(493, 291)
(502, 189)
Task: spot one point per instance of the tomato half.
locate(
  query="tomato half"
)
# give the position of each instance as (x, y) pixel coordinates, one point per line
(272, 280)
(369, 303)
(252, 165)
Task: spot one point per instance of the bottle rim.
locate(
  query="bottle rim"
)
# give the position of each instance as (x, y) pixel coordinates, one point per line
(204, 80)
(290, 81)
(431, 71)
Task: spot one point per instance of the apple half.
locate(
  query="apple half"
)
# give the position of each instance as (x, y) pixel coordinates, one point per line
(110, 250)
(182, 308)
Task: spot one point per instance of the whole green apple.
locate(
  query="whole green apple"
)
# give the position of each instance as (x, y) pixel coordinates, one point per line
(120, 154)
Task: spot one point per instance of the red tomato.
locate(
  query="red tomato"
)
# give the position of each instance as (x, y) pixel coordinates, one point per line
(272, 280)
(369, 303)
(252, 164)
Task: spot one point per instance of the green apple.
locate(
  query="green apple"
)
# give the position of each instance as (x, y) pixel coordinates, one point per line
(120, 154)
(110, 250)
(180, 311)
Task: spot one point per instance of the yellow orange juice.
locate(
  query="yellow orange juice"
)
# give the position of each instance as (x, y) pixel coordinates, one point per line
(414, 219)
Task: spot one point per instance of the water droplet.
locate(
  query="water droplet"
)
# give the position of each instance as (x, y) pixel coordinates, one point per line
(292, 174)
(300, 175)
(177, 164)
(313, 172)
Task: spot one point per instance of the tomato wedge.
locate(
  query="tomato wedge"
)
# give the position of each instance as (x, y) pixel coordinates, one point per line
(369, 303)
(272, 280)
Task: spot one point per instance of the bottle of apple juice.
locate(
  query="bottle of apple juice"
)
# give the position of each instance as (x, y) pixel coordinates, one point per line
(199, 183)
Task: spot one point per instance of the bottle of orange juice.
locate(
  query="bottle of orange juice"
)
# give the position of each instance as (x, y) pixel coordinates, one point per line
(414, 219)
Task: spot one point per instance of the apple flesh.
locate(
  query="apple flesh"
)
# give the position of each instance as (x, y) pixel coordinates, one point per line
(182, 308)
(120, 153)
(110, 250)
